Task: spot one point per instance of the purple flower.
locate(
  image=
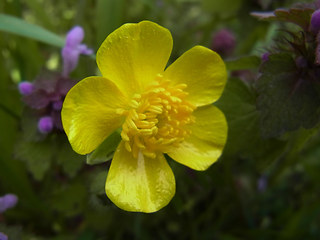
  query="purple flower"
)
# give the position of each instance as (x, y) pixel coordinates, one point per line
(265, 57)
(7, 201)
(45, 124)
(25, 88)
(57, 105)
(224, 42)
(3, 236)
(49, 91)
(262, 183)
(315, 21)
(73, 48)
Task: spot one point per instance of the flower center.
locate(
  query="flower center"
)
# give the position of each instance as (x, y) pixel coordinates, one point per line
(156, 119)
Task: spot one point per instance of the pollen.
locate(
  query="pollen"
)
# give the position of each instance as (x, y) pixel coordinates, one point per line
(157, 119)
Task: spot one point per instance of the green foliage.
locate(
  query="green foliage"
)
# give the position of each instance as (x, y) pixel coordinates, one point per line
(37, 155)
(109, 17)
(287, 100)
(17, 26)
(300, 17)
(222, 7)
(244, 137)
(70, 161)
(248, 62)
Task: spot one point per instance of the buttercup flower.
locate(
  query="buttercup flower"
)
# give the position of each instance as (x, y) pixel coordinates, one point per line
(161, 111)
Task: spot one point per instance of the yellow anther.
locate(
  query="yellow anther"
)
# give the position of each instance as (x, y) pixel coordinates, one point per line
(150, 154)
(127, 146)
(157, 119)
(134, 103)
(120, 111)
(155, 109)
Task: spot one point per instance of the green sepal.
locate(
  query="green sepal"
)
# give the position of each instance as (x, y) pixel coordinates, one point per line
(105, 151)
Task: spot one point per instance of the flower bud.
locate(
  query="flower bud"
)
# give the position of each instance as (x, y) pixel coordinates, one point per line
(7, 201)
(57, 105)
(265, 57)
(45, 124)
(72, 49)
(25, 88)
(301, 62)
(224, 42)
(262, 183)
(74, 36)
(3, 236)
(315, 21)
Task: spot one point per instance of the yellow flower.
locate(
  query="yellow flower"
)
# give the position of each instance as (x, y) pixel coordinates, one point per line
(159, 110)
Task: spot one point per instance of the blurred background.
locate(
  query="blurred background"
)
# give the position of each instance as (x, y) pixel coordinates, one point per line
(261, 188)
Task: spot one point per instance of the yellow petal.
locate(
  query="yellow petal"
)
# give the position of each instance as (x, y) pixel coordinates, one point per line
(139, 185)
(134, 54)
(203, 71)
(206, 142)
(89, 113)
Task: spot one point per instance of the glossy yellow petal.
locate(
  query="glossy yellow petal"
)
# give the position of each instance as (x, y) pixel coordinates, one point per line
(134, 54)
(139, 185)
(206, 142)
(203, 71)
(89, 113)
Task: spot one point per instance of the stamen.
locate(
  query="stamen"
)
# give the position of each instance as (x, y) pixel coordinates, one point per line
(157, 119)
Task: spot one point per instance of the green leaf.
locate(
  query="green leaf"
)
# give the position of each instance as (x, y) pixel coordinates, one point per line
(298, 16)
(248, 62)
(70, 161)
(22, 28)
(105, 151)
(108, 17)
(244, 137)
(37, 155)
(69, 199)
(287, 100)
(98, 182)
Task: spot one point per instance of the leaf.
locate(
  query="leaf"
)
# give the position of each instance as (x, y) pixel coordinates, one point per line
(298, 16)
(108, 17)
(98, 182)
(248, 62)
(244, 137)
(70, 161)
(105, 151)
(22, 28)
(69, 199)
(37, 155)
(287, 100)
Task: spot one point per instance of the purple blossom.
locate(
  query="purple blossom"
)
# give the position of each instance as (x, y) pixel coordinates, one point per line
(265, 57)
(57, 105)
(224, 42)
(45, 124)
(315, 21)
(7, 201)
(73, 48)
(25, 88)
(46, 99)
(3, 236)
(262, 183)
